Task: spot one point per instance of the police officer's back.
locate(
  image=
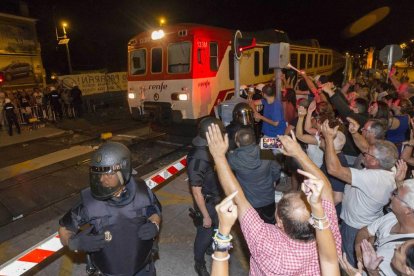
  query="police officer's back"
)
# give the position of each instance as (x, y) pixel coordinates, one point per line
(123, 213)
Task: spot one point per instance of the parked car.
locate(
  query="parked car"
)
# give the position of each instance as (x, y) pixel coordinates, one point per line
(15, 70)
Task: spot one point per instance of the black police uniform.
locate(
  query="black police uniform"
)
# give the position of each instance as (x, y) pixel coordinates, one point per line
(11, 118)
(200, 170)
(55, 103)
(124, 253)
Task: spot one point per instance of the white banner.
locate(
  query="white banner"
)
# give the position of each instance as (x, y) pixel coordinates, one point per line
(94, 83)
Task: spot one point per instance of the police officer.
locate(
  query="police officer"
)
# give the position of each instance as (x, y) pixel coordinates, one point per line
(54, 97)
(11, 116)
(242, 116)
(123, 214)
(205, 189)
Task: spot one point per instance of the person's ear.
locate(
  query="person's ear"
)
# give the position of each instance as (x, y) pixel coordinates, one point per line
(279, 222)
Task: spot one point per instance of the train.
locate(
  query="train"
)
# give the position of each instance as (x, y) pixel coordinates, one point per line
(179, 73)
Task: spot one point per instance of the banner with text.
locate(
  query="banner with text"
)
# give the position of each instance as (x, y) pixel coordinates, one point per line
(94, 83)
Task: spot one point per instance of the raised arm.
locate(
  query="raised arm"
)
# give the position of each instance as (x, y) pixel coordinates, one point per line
(328, 258)
(305, 138)
(218, 147)
(333, 164)
(308, 122)
(292, 148)
(359, 140)
(407, 153)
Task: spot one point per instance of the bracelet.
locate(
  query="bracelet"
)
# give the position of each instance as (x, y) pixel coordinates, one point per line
(320, 225)
(222, 238)
(322, 218)
(220, 259)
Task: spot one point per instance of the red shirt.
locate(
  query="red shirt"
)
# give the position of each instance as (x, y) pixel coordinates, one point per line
(274, 253)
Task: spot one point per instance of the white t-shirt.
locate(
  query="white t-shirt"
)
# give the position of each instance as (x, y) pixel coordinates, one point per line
(364, 200)
(381, 228)
(315, 153)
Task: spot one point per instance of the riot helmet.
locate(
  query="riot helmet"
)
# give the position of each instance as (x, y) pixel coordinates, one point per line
(206, 122)
(110, 170)
(243, 114)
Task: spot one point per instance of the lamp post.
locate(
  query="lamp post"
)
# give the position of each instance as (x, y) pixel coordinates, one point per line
(65, 41)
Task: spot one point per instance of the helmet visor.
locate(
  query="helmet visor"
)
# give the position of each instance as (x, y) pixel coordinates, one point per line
(104, 182)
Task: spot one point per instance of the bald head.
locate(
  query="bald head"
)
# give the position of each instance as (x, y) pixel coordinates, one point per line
(293, 213)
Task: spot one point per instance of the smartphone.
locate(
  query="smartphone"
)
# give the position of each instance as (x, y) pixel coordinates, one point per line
(270, 143)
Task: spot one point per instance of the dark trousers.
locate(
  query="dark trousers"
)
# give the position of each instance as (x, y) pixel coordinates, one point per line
(148, 270)
(349, 234)
(78, 109)
(12, 119)
(267, 213)
(204, 236)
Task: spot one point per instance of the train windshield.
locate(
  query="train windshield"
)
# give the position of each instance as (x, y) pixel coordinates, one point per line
(138, 62)
(179, 57)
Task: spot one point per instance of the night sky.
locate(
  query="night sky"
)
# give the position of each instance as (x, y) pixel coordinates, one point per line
(100, 29)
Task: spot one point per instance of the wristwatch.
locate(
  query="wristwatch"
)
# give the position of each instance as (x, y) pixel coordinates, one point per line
(222, 247)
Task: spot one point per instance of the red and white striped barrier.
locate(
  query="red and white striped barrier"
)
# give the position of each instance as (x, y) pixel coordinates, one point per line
(49, 246)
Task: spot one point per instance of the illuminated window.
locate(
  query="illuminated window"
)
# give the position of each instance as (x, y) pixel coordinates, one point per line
(329, 59)
(138, 62)
(213, 56)
(326, 60)
(316, 60)
(321, 60)
(310, 61)
(156, 60)
(179, 57)
(302, 61)
(256, 63)
(294, 59)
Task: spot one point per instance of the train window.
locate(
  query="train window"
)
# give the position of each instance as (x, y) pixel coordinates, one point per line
(310, 61)
(138, 63)
(179, 57)
(316, 60)
(321, 60)
(326, 60)
(256, 63)
(156, 60)
(302, 61)
(213, 56)
(266, 69)
(231, 65)
(294, 59)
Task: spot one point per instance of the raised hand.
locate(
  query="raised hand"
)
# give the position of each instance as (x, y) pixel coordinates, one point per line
(401, 171)
(353, 125)
(302, 111)
(217, 144)
(312, 107)
(291, 146)
(348, 268)
(370, 257)
(328, 132)
(227, 213)
(312, 188)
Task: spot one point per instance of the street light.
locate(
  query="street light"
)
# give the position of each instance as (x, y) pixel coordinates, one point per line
(65, 40)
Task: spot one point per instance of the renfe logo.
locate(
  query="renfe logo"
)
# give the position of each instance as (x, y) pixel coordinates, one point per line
(158, 87)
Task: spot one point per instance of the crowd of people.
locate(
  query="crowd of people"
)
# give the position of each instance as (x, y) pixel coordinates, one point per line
(348, 148)
(27, 106)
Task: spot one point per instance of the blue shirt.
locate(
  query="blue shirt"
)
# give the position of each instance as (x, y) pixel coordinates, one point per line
(274, 112)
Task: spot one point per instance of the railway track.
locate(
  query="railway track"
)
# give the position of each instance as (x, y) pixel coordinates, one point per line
(39, 191)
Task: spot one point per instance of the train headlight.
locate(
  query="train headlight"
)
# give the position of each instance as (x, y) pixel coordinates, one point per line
(157, 35)
(179, 97)
(131, 96)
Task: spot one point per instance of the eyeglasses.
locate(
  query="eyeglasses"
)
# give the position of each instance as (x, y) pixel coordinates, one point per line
(395, 194)
(366, 153)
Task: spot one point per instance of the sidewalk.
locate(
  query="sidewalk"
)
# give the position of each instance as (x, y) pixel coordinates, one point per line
(27, 135)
